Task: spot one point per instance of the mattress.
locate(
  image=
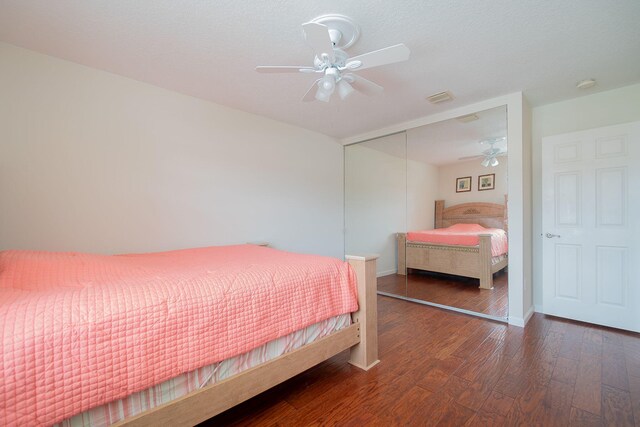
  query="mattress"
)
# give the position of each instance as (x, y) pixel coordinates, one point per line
(83, 330)
(463, 235)
(175, 388)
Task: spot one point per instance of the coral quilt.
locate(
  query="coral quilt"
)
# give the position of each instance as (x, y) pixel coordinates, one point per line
(80, 330)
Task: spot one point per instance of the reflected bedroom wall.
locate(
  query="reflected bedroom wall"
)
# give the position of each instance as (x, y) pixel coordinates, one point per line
(447, 175)
(375, 198)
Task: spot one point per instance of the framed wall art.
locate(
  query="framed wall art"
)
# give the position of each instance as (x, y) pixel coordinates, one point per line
(463, 184)
(487, 182)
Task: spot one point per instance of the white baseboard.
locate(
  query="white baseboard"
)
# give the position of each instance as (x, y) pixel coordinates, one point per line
(386, 273)
(529, 313)
(516, 321)
(520, 321)
(538, 309)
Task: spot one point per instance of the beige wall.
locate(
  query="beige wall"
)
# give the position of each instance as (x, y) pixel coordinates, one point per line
(592, 111)
(422, 192)
(91, 161)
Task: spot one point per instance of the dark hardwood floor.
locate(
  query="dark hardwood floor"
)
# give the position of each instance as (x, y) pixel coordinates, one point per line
(443, 368)
(454, 291)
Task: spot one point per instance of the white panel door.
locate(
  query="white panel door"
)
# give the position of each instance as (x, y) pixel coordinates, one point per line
(591, 225)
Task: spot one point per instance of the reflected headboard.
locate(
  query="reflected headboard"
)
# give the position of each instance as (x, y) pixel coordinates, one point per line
(490, 215)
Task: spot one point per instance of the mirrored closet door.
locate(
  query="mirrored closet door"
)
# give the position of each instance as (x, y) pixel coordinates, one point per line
(456, 247)
(432, 201)
(376, 204)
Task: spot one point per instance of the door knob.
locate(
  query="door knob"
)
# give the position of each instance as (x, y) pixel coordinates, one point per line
(551, 236)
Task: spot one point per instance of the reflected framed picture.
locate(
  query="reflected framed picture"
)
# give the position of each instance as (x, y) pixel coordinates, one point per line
(487, 182)
(463, 184)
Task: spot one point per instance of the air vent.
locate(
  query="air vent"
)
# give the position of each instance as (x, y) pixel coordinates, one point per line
(440, 97)
(468, 118)
(586, 84)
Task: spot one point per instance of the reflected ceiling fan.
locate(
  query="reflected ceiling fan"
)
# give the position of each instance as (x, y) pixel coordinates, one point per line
(328, 36)
(489, 156)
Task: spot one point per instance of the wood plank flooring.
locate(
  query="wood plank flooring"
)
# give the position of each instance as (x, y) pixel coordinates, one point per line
(454, 291)
(446, 369)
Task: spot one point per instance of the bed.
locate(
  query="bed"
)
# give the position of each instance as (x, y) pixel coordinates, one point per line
(478, 256)
(85, 332)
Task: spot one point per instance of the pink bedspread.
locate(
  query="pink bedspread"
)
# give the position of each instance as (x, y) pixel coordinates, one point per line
(80, 330)
(464, 235)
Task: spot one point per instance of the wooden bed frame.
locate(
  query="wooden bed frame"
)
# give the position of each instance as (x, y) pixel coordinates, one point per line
(361, 337)
(467, 261)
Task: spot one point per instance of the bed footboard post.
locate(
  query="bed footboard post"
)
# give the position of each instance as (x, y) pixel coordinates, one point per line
(437, 220)
(486, 276)
(365, 354)
(401, 239)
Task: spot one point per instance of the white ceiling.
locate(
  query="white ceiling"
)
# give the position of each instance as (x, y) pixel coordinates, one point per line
(475, 49)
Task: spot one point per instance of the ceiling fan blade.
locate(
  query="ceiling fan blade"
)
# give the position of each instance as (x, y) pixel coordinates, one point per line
(363, 85)
(480, 156)
(311, 93)
(317, 36)
(387, 55)
(284, 69)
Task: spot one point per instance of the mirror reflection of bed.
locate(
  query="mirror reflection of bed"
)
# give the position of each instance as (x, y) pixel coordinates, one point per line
(461, 262)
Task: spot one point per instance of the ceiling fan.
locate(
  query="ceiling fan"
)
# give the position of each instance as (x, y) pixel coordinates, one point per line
(328, 36)
(489, 156)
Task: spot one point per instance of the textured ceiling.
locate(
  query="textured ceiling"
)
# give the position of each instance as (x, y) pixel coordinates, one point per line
(475, 49)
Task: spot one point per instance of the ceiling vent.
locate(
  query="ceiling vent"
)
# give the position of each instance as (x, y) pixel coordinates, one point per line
(586, 84)
(468, 118)
(440, 97)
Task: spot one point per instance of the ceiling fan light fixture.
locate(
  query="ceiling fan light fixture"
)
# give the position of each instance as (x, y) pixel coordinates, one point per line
(485, 162)
(328, 84)
(344, 89)
(494, 162)
(322, 95)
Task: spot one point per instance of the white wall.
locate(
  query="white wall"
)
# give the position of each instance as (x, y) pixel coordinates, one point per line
(447, 175)
(91, 161)
(600, 109)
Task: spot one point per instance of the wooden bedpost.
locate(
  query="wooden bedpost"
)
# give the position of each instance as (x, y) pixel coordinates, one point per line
(486, 276)
(437, 219)
(401, 239)
(365, 354)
